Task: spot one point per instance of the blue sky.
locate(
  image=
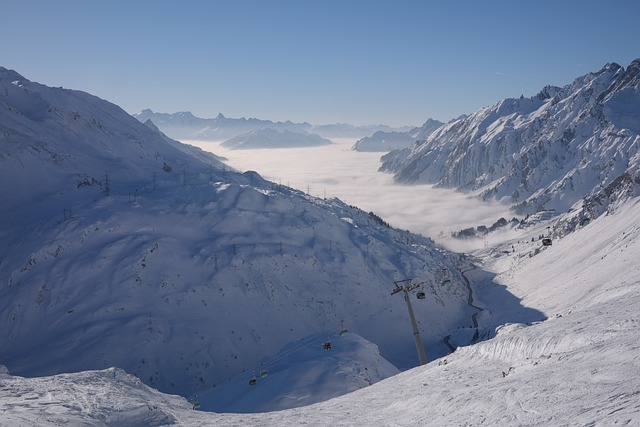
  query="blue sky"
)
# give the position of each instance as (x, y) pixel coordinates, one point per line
(355, 61)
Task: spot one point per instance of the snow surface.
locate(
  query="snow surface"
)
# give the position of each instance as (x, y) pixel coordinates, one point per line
(579, 367)
(142, 274)
(120, 248)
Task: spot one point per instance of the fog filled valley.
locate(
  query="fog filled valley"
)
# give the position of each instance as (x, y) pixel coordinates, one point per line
(353, 176)
(154, 275)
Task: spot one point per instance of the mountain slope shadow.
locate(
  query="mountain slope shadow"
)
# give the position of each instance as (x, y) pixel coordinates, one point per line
(496, 307)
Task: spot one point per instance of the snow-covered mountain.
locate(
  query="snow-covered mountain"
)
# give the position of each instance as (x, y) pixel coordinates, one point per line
(274, 138)
(120, 249)
(184, 125)
(388, 141)
(576, 368)
(544, 152)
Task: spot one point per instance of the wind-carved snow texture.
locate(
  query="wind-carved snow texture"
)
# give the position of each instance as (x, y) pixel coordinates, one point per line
(120, 249)
(544, 152)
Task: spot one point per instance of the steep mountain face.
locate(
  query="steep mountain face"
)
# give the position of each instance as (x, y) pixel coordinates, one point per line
(119, 249)
(544, 152)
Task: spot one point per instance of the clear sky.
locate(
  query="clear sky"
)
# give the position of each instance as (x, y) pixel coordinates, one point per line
(396, 62)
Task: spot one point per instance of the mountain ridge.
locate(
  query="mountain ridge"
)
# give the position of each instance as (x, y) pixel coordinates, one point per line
(544, 152)
(184, 125)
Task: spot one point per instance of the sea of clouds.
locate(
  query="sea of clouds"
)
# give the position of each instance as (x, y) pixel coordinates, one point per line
(338, 171)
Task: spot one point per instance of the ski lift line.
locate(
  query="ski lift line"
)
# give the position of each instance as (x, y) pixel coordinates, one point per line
(251, 372)
(318, 339)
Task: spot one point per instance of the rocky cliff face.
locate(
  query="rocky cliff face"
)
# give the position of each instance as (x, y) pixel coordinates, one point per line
(543, 152)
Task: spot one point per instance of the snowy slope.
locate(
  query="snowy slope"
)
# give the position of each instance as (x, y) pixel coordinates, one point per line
(543, 152)
(302, 373)
(194, 151)
(118, 249)
(577, 368)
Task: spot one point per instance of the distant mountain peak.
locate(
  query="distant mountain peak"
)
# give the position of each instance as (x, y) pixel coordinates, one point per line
(187, 126)
(9, 75)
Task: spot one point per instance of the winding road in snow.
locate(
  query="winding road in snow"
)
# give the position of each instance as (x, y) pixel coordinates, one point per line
(474, 317)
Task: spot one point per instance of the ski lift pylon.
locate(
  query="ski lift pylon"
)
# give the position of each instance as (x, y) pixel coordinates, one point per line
(343, 331)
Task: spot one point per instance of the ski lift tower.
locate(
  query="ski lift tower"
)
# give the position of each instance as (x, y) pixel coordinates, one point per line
(406, 288)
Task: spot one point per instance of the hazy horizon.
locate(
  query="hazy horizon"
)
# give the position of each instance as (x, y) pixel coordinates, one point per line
(357, 62)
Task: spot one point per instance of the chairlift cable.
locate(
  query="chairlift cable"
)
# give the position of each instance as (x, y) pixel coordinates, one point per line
(318, 339)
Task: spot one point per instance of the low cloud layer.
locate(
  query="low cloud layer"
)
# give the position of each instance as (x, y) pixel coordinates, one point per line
(338, 171)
